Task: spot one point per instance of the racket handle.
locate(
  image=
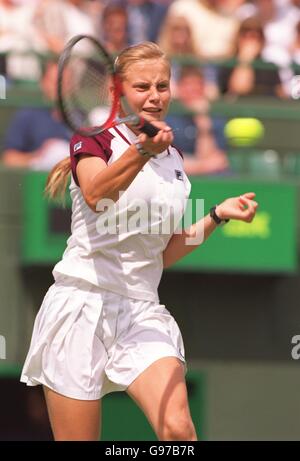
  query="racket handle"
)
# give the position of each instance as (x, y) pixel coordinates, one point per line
(146, 127)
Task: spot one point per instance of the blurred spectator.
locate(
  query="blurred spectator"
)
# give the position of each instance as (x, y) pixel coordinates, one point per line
(17, 38)
(177, 41)
(214, 32)
(241, 9)
(295, 48)
(197, 135)
(279, 19)
(114, 28)
(36, 137)
(58, 20)
(249, 73)
(94, 9)
(144, 18)
(176, 37)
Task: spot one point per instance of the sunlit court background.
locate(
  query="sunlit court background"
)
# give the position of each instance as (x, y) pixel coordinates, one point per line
(236, 298)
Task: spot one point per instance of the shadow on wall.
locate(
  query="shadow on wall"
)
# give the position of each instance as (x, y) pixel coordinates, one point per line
(23, 415)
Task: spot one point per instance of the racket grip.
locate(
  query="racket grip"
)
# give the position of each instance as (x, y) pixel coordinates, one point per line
(146, 127)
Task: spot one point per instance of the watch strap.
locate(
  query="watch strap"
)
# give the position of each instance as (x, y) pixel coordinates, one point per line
(215, 217)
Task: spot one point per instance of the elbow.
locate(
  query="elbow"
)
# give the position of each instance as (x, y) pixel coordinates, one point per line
(92, 206)
(98, 203)
(92, 201)
(91, 198)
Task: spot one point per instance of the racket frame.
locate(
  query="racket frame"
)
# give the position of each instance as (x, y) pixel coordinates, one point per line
(131, 118)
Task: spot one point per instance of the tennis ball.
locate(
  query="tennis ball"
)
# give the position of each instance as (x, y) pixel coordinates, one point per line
(243, 132)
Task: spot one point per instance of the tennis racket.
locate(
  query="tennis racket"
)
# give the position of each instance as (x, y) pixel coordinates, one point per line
(90, 92)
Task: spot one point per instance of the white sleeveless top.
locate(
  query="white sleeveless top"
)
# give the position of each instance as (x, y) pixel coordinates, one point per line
(120, 248)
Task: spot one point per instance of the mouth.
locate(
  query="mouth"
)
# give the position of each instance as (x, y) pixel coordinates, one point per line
(152, 111)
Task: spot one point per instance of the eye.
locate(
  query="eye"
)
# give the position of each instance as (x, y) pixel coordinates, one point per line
(141, 87)
(163, 86)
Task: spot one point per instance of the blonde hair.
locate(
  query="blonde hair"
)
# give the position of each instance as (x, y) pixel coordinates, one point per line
(165, 37)
(58, 178)
(136, 53)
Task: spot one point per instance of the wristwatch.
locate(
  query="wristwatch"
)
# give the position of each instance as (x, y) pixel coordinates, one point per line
(215, 217)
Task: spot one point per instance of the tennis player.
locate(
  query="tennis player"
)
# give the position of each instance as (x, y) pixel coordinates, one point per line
(101, 327)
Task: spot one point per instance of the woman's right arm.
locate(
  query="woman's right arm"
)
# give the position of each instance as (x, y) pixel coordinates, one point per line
(98, 180)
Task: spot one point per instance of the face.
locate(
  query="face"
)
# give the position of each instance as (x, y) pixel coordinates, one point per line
(180, 34)
(251, 35)
(190, 89)
(115, 28)
(147, 88)
(267, 8)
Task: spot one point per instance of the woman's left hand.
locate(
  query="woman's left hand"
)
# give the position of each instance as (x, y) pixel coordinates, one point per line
(242, 208)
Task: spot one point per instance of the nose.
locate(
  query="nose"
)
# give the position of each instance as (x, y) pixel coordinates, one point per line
(154, 94)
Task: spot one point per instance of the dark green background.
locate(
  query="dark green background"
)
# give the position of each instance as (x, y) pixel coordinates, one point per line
(229, 248)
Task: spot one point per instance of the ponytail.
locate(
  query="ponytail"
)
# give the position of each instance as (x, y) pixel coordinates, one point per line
(58, 179)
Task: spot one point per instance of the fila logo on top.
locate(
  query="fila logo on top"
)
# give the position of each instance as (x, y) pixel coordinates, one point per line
(179, 175)
(77, 146)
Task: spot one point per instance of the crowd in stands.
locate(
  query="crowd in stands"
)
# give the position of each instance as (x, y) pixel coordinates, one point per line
(218, 48)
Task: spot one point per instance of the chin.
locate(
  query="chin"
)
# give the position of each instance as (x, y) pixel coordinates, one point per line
(152, 118)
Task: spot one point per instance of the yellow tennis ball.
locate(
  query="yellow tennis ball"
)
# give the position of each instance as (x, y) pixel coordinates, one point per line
(242, 132)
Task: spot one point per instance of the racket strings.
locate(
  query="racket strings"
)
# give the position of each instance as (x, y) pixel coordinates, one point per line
(86, 82)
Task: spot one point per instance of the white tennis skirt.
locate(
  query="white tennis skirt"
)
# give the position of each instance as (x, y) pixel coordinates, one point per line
(87, 341)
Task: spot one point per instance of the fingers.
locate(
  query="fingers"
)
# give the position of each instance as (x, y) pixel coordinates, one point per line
(245, 201)
(160, 124)
(142, 137)
(160, 141)
(167, 135)
(164, 135)
(249, 195)
(242, 208)
(249, 207)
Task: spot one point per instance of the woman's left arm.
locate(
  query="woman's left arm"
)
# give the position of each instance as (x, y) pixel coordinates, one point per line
(241, 208)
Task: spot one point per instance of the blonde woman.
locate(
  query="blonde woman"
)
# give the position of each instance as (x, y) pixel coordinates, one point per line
(101, 327)
(177, 41)
(176, 37)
